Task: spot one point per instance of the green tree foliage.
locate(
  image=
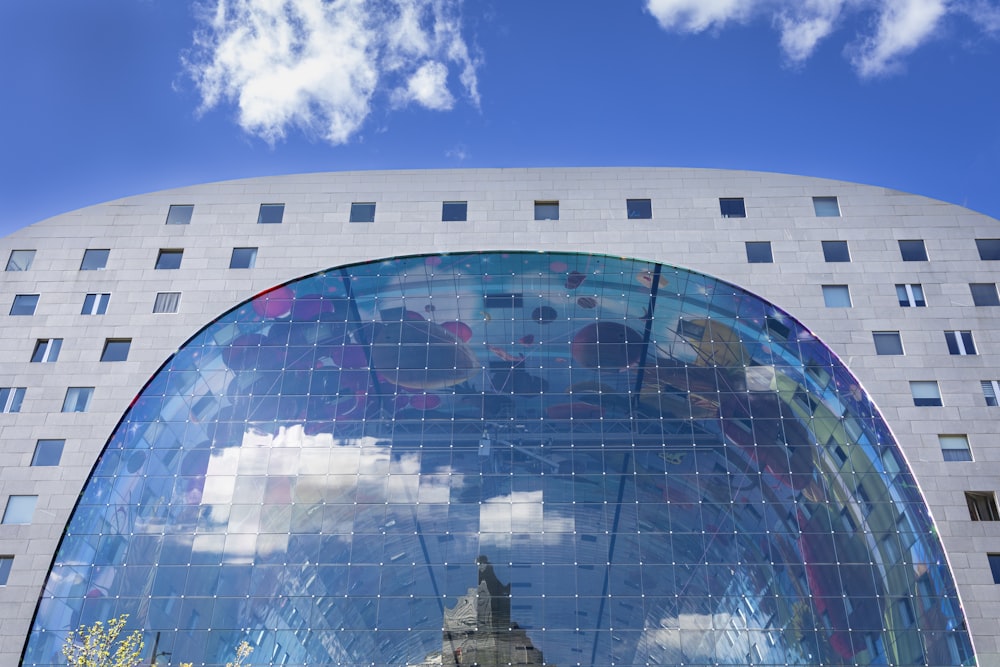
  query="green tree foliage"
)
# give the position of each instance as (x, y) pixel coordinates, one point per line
(99, 646)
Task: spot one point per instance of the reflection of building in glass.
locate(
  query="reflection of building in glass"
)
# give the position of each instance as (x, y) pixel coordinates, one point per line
(499, 458)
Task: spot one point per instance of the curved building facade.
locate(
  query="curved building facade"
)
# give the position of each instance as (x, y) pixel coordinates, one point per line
(541, 416)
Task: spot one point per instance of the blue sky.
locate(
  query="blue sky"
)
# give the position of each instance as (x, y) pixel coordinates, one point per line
(108, 98)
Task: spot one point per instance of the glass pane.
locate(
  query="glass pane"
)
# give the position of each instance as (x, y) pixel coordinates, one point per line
(639, 209)
(20, 509)
(48, 452)
(363, 212)
(20, 260)
(180, 214)
(94, 260)
(826, 207)
(454, 211)
(169, 259)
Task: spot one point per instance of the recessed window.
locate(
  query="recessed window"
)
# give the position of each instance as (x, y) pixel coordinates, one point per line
(759, 252)
(20, 509)
(925, 393)
(6, 562)
(546, 210)
(837, 296)
(20, 260)
(454, 211)
(836, 251)
(994, 567)
(47, 453)
(639, 209)
(826, 207)
(11, 399)
(955, 447)
(982, 505)
(46, 350)
(180, 214)
(984, 294)
(989, 249)
(116, 349)
(169, 259)
(960, 342)
(913, 250)
(271, 214)
(94, 260)
(243, 258)
(363, 212)
(77, 399)
(95, 304)
(991, 390)
(24, 304)
(887, 343)
(732, 207)
(166, 302)
(910, 295)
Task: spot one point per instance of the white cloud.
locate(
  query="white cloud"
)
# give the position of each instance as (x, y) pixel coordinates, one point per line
(317, 65)
(900, 26)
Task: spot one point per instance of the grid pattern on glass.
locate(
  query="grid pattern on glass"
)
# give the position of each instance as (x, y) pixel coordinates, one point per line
(925, 393)
(166, 302)
(20, 260)
(11, 399)
(362, 212)
(24, 304)
(180, 214)
(759, 252)
(454, 211)
(955, 447)
(836, 296)
(243, 258)
(912, 250)
(960, 343)
(271, 214)
(836, 251)
(984, 294)
(732, 207)
(19, 509)
(46, 350)
(557, 458)
(94, 259)
(95, 304)
(169, 258)
(116, 349)
(48, 452)
(639, 209)
(826, 207)
(546, 210)
(77, 399)
(6, 563)
(910, 295)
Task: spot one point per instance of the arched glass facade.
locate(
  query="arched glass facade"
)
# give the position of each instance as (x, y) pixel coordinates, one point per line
(493, 459)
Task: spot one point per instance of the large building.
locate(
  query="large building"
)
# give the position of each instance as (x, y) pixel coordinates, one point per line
(509, 416)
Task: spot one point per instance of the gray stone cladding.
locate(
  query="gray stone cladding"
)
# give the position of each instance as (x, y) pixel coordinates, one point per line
(686, 229)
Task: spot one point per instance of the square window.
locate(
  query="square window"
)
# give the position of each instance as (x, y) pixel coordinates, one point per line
(982, 505)
(955, 447)
(11, 399)
(20, 509)
(836, 251)
(759, 252)
(910, 295)
(46, 350)
(5, 564)
(47, 453)
(94, 260)
(454, 211)
(271, 214)
(925, 393)
(20, 260)
(887, 342)
(732, 207)
(166, 302)
(989, 249)
(913, 250)
(984, 294)
(363, 212)
(24, 304)
(77, 399)
(180, 214)
(639, 209)
(169, 259)
(960, 342)
(991, 390)
(546, 210)
(95, 304)
(994, 567)
(826, 207)
(243, 258)
(116, 349)
(837, 296)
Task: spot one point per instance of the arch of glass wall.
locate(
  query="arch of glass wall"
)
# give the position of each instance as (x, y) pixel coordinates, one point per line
(494, 459)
